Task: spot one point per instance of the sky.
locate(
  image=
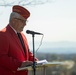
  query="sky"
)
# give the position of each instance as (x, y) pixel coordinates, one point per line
(56, 20)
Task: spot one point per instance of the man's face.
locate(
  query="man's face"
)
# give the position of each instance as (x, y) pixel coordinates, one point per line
(19, 24)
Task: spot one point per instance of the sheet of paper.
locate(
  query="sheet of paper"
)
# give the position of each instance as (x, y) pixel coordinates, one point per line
(42, 61)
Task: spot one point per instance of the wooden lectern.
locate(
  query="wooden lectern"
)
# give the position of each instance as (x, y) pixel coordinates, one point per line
(40, 68)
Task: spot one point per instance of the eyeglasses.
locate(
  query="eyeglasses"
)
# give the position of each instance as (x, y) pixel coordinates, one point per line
(23, 21)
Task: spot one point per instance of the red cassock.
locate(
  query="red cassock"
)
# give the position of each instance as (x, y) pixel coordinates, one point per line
(12, 53)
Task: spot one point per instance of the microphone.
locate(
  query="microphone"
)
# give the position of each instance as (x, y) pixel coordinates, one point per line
(32, 32)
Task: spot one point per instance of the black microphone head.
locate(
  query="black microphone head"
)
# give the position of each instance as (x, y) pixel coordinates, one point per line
(32, 32)
(27, 31)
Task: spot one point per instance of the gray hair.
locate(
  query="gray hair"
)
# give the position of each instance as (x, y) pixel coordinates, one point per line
(14, 15)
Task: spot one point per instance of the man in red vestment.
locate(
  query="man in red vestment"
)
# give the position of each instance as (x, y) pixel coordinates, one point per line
(13, 54)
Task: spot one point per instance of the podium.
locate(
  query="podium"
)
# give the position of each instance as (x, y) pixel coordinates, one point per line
(40, 68)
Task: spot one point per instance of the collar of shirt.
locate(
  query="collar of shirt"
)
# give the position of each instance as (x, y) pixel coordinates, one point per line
(13, 29)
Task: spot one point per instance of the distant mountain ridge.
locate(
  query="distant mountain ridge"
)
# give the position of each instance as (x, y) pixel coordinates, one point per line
(56, 47)
(60, 44)
(58, 50)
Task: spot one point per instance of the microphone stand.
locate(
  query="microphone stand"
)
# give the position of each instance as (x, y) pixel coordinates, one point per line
(34, 64)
